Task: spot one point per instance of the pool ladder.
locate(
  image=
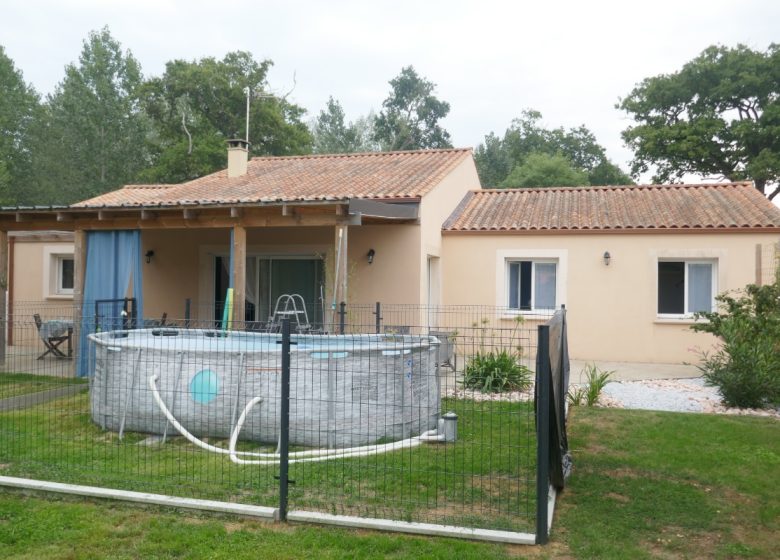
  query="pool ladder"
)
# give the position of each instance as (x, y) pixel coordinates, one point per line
(287, 305)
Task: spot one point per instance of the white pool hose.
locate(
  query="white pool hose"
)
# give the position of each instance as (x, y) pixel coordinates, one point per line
(312, 455)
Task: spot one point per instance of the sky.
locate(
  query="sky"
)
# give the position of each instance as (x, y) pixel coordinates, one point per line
(570, 60)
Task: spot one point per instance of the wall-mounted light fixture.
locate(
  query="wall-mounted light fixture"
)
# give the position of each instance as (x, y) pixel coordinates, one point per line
(370, 255)
(149, 254)
(607, 258)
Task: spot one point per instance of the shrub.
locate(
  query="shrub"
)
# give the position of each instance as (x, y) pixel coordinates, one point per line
(496, 372)
(746, 367)
(589, 393)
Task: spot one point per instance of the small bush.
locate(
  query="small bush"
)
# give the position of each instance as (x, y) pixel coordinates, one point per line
(746, 367)
(589, 393)
(496, 372)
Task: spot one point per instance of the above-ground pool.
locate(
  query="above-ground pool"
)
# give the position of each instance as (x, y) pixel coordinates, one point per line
(345, 390)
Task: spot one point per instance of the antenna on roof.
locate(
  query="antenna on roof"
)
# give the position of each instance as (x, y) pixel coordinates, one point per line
(261, 95)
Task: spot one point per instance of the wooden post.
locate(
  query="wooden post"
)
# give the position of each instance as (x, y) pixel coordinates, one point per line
(341, 247)
(759, 271)
(239, 276)
(3, 291)
(79, 279)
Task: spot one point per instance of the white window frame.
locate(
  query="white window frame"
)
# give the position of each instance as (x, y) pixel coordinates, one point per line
(53, 255)
(507, 256)
(688, 261)
(58, 287)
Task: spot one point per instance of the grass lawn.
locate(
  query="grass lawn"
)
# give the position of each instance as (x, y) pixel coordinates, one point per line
(486, 479)
(645, 485)
(15, 384)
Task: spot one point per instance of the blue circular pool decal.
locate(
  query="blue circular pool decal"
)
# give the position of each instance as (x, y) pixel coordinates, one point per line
(204, 386)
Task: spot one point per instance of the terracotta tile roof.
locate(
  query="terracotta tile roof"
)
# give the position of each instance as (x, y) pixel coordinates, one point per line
(376, 175)
(723, 206)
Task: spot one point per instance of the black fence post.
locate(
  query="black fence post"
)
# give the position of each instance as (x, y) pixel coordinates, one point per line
(187, 312)
(284, 428)
(342, 316)
(542, 432)
(378, 313)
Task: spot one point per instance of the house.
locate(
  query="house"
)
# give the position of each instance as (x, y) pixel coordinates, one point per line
(272, 225)
(631, 264)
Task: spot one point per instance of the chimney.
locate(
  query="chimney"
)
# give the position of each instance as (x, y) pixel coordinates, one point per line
(238, 156)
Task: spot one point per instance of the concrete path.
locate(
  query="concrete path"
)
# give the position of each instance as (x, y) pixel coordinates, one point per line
(635, 371)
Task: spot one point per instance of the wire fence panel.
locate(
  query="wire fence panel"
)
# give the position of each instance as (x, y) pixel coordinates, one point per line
(421, 414)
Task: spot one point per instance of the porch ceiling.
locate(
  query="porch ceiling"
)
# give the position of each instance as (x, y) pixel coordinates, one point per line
(353, 212)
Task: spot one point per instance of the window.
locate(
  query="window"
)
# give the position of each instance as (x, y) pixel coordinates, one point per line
(686, 286)
(532, 284)
(64, 275)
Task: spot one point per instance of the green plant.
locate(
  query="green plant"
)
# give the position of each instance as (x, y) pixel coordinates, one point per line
(589, 393)
(746, 367)
(576, 395)
(496, 371)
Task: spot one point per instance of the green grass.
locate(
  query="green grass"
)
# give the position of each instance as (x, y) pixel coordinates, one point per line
(644, 485)
(15, 384)
(669, 485)
(38, 528)
(486, 479)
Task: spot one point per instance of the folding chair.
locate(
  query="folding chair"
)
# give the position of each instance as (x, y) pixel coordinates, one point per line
(52, 343)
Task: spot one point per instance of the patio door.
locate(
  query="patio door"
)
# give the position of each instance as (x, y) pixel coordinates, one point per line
(276, 276)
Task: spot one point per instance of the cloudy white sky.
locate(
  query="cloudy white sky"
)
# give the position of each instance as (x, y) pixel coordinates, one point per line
(571, 60)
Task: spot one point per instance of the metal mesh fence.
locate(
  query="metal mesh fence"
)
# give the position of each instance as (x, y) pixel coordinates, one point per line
(417, 414)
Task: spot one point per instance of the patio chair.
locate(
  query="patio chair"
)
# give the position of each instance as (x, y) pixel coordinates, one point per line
(52, 343)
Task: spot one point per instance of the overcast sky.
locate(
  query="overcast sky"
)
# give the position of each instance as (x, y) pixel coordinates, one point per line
(570, 60)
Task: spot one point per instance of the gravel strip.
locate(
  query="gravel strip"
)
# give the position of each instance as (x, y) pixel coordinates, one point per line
(672, 395)
(669, 395)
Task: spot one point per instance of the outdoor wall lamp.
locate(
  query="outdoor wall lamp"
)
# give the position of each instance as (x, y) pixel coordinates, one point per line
(370, 255)
(149, 254)
(607, 258)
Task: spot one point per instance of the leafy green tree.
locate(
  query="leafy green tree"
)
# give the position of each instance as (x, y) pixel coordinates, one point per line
(409, 119)
(498, 156)
(19, 106)
(195, 106)
(332, 135)
(544, 170)
(719, 115)
(93, 137)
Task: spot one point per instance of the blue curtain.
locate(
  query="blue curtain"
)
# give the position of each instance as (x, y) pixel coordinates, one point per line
(113, 258)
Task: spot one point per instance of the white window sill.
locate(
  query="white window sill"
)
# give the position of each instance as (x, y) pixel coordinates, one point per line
(59, 296)
(541, 314)
(683, 320)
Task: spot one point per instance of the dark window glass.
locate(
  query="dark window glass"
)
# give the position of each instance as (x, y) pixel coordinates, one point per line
(671, 287)
(66, 274)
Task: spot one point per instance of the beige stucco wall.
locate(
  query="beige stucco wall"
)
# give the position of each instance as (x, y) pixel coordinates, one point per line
(612, 309)
(435, 208)
(182, 266)
(34, 273)
(394, 276)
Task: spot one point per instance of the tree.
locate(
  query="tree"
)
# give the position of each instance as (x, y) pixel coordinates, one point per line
(498, 156)
(93, 135)
(719, 115)
(410, 116)
(194, 107)
(19, 107)
(544, 170)
(332, 135)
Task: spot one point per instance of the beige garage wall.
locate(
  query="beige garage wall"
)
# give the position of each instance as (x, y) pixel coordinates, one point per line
(612, 309)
